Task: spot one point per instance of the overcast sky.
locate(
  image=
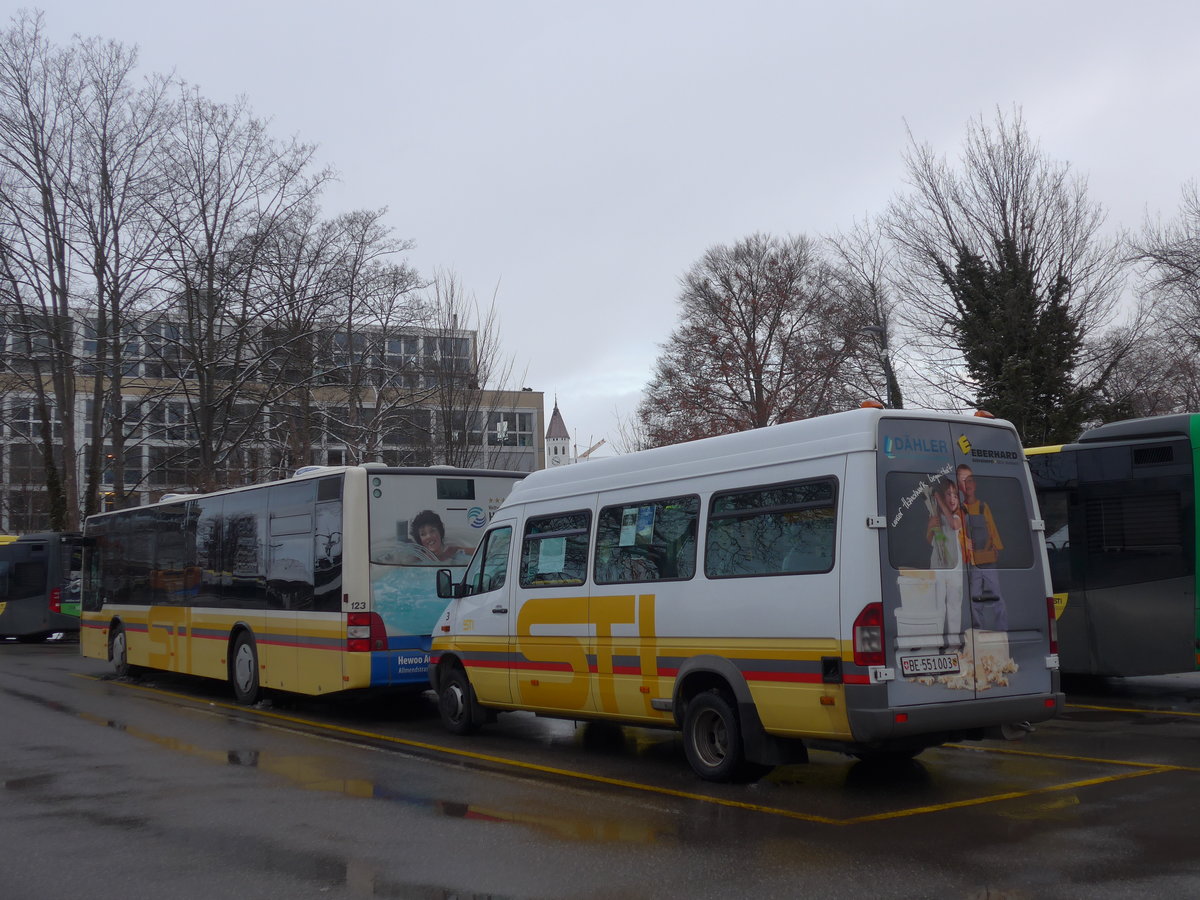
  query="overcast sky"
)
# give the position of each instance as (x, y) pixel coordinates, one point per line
(577, 158)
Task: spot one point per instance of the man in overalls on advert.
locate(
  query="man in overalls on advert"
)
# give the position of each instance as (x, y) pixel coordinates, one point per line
(987, 602)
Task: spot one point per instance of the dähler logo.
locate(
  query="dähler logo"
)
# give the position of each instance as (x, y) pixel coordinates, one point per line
(906, 445)
(477, 517)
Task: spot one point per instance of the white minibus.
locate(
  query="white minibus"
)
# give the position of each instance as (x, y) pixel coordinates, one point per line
(872, 581)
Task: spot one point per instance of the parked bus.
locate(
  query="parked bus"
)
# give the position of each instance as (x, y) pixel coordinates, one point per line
(804, 584)
(320, 583)
(39, 586)
(1122, 520)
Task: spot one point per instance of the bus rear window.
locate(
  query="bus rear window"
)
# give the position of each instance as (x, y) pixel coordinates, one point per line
(940, 523)
(456, 488)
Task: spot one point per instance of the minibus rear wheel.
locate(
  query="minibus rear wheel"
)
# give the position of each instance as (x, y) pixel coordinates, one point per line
(712, 740)
(459, 710)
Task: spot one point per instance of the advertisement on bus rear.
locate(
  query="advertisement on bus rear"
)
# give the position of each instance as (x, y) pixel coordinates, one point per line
(417, 527)
(963, 588)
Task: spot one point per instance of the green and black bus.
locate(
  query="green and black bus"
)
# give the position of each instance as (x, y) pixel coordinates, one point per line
(39, 586)
(1121, 518)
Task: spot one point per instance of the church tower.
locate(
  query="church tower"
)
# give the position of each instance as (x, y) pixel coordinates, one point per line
(558, 441)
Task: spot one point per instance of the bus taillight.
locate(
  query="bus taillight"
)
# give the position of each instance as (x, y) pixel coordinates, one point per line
(56, 600)
(365, 632)
(1052, 621)
(868, 636)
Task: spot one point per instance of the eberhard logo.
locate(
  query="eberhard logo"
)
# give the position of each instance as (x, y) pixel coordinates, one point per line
(964, 444)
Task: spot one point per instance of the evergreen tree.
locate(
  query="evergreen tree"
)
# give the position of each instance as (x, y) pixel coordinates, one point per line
(1020, 344)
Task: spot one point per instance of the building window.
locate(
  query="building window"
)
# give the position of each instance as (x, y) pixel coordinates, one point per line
(510, 429)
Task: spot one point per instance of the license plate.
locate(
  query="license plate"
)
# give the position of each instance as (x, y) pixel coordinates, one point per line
(929, 665)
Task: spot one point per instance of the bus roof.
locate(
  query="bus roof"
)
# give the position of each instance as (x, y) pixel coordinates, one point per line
(829, 435)
(309, 473)
(1179, 425)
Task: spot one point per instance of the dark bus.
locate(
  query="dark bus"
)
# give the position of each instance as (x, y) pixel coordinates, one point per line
(39, 586)
(1120, 514)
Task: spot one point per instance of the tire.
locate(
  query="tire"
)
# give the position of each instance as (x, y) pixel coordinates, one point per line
(243, 670)
(118, 652)
(712, 740)
(460, 712)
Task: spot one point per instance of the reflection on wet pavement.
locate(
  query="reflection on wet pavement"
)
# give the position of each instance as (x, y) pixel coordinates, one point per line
(312, 773)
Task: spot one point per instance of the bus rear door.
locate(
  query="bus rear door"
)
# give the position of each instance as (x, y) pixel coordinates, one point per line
(964, 593)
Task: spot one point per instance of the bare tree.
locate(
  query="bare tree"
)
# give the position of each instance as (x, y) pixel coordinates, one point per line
(1159, 374)
(119, 142)
(38, 123)
(1169, 258)
(372, 360)
(228, 187)
(1007, 279)
(631, 434)
(469, 379)
(865, 268)
(763, 338)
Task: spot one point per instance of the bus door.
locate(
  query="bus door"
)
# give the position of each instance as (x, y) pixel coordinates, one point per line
(964, 594)
(484, 631)
(289, 586)
(556, 626)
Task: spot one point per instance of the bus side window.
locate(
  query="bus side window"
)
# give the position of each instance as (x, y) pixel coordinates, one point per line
(784, 529)
(555, 549)
(652, 540)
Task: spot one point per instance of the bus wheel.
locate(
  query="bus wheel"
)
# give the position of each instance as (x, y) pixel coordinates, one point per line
(712, 740)
(456, 703)
(243, 670)
(118, 652)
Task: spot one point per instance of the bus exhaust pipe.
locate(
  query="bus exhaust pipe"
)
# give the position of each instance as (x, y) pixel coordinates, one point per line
(1012, 731)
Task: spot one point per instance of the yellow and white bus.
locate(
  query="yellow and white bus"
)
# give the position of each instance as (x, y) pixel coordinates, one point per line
(812, 583)
(320, 583)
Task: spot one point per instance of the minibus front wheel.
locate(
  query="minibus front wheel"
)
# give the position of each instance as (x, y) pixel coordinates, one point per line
(460, 711)
(712, 740)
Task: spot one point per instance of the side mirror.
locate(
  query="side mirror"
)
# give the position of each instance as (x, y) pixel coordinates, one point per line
(447, 587)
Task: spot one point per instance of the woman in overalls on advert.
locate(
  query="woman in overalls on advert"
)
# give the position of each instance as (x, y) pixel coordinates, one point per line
(987, 602)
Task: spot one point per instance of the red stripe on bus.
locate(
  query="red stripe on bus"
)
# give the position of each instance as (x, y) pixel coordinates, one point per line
(797, 677)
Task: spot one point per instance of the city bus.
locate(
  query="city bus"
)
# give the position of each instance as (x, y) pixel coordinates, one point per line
(39, 586)
(1122, 519)
(320, 583)
(804, 585)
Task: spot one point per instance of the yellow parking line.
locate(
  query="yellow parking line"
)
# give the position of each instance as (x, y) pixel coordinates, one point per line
(1144, 768)
(1134, 709)
(1067, 757)
(1010, 795)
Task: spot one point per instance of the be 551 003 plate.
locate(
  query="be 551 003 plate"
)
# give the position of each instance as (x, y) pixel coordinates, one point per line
(943, 664)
